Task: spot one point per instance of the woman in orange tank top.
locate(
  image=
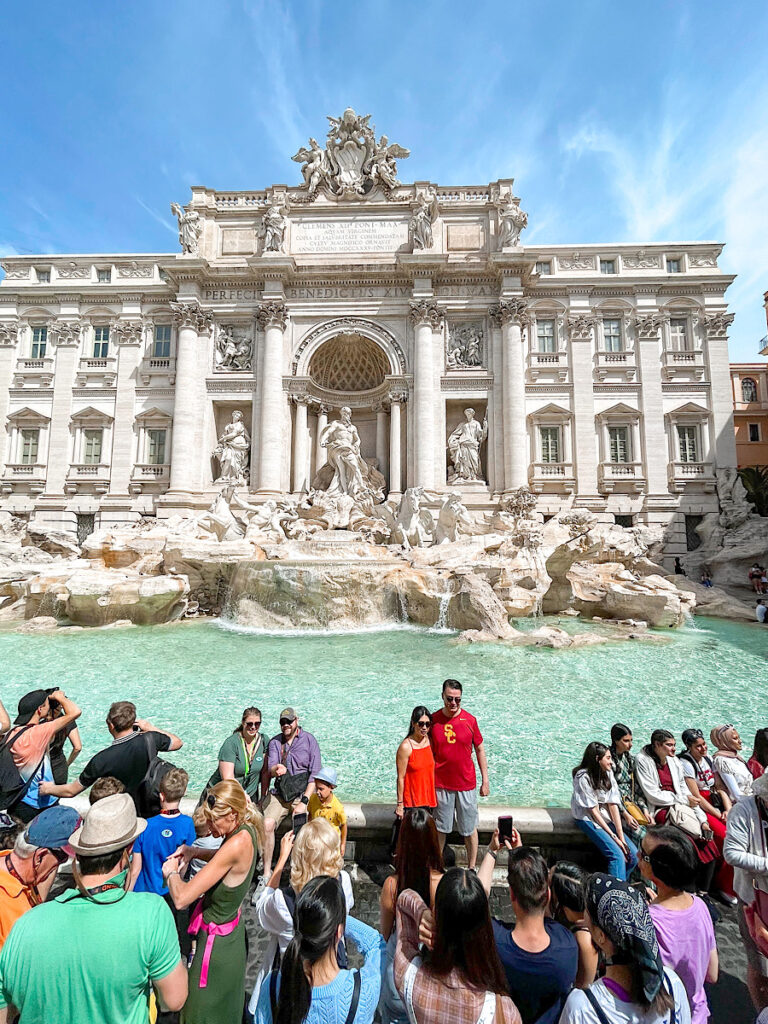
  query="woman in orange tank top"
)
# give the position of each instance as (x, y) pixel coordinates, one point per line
(416, 765)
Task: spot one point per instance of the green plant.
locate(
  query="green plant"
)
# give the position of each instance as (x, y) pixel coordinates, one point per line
(755, 480)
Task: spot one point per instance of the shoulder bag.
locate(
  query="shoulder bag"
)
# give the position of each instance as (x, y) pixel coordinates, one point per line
(633, 809)
(685, 818)
(290, 787)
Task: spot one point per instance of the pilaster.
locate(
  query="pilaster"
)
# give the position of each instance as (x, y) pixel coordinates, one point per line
(9, 349)
(273, 317)
(511, 315)
(715, 326)
(193, 322)
(647, 326)
(581, 327)
(128, 335)
(66, 336)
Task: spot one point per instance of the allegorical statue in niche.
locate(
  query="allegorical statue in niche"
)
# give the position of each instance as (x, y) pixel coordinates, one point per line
(190, 229)
(513, 221)
(464, 446)
(342, 440)
(232, 451)
(273, 227)
(423, 217)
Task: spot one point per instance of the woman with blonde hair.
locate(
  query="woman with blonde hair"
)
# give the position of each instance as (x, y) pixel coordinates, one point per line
(315, 851)
(217, 974)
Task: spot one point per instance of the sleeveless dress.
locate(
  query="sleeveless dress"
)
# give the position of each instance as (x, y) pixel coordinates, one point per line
(223, 999)
(419, 781)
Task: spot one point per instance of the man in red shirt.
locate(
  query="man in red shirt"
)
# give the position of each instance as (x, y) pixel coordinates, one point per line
(455, 733)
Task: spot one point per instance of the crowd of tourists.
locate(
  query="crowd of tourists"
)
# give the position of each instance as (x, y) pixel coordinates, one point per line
(132, 912)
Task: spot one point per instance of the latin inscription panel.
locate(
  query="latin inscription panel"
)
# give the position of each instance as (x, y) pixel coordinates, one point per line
(330, 236)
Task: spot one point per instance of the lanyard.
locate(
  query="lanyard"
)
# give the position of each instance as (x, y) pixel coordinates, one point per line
(30, 890)
(248, 760)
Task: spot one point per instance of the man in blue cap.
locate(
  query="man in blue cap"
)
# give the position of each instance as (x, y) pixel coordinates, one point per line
(28, 870)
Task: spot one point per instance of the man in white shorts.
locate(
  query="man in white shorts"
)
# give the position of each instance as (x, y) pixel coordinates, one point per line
(455, 734)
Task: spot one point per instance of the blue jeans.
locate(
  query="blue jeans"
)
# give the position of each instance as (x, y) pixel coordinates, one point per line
(618, 865)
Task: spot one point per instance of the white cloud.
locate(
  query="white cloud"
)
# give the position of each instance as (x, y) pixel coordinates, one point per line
(165, 221)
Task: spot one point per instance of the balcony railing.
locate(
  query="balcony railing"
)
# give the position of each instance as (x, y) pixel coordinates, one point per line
(762, 346)
(150, 470)
(612, 474)
(557, 476)
(621, 364)
(682, 473)
(24, 469)
(89, 469)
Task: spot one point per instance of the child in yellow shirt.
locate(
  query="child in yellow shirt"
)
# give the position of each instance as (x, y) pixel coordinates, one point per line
(325, 804)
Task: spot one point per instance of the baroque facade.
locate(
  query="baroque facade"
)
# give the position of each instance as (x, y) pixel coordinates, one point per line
(598, 375)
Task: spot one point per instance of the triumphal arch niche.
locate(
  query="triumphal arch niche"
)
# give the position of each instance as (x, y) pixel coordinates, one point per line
(353, 335)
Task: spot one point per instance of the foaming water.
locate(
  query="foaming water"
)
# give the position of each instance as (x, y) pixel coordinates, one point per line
(381, 627)
(537, 708)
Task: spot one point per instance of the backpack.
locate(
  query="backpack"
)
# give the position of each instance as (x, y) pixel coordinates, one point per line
(147, 798)
(13, 788)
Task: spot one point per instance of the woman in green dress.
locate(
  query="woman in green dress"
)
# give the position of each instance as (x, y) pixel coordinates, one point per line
(624, 771)
(217, 974)
(242, 757)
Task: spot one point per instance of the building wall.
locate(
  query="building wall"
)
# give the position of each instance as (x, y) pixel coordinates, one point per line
(750, 417)
(638, 343)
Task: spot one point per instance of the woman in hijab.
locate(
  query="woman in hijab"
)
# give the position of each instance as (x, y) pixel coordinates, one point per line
(636, 984)
(729, 765)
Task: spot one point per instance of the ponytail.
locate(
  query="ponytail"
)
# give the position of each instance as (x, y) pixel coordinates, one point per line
(320, 911)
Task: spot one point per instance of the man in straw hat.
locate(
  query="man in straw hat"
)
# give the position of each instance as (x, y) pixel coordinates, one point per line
(106, 945)
(746, 850)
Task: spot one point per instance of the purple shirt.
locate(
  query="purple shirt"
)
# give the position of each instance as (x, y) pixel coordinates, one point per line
(686, 939)
(303, 755)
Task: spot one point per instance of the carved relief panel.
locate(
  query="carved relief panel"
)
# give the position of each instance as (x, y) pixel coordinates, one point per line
(465, 345)
(233, 351)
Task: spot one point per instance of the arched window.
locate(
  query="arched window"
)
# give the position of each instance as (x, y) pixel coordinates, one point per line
(748, 390)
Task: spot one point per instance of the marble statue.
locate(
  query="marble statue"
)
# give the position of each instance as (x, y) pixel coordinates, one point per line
(464, 446)
(342, 440)
(269, 522)
(219, 519)
(234, 348)
(383, 166)
(352, 162)
(513, 221)
(423, 217)
(411, 526)
(273, 227)
(190, 229)
(452, 515)
(464, 347)
(314, 165)
(233, 450)
(732, 495)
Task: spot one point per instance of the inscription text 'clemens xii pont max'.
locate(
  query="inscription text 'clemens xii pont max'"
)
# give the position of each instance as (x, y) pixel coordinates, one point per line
(323, 236)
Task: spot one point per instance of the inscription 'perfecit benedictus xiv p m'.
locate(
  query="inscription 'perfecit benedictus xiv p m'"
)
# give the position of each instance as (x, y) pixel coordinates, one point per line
(323, 346)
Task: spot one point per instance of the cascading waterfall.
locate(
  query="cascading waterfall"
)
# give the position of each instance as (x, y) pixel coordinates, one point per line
(441, 624)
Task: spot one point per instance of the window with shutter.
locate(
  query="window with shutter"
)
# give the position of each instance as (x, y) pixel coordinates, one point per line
(545, 335)
(39, 342)
(161, 348)
(100, 342)
(612, 335)
(678, 335)
(550, 444)
(92, 439)
(156, 447)
(619, 444)
(30, 439)
(687, 438)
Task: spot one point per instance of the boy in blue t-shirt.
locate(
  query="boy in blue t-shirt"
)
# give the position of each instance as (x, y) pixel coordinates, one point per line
(164, 834)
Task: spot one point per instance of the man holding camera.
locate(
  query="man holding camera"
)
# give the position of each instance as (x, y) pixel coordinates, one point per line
(29, 740)
(293, 759)
(455, 734)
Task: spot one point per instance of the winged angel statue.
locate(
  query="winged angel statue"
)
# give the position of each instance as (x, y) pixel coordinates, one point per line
(352, 162)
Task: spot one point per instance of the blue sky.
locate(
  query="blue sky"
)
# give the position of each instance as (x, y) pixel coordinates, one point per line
(619, 121)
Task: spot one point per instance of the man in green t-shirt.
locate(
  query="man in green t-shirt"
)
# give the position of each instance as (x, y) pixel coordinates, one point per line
(103, 947)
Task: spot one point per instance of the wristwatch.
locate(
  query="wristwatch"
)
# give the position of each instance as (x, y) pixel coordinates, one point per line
(304, 799)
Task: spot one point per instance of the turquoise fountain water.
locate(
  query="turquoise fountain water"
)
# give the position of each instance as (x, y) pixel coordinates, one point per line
(537, 708)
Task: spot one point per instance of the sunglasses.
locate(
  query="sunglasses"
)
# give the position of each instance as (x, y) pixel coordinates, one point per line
(424, 723)
(287, 721)
(252, 725)
(453, 700)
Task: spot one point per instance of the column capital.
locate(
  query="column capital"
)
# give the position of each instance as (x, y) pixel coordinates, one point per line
(9, 331)
(301, 399)
(426, 312)
(398, 396)
(68, 332)
(716, 324)
(128, 332)
(510, 311)
(192, 314)
(648, 325)
(272, 314)
(581, 326)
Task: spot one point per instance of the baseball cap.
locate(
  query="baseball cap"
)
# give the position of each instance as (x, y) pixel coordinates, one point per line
(29, 704)
(52, 828)
(327, 775)
(288, 713)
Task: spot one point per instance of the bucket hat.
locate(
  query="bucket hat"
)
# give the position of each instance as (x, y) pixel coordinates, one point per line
(53, 827)
(327, 775)
(110, 825)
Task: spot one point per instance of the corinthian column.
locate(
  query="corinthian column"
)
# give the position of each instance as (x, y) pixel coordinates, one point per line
(427, 318)
(511, 316)
(321, 454)
(382, 441)
(395, 481)
(300, 445)
(192, 321)
(128, 335)
(273, 317)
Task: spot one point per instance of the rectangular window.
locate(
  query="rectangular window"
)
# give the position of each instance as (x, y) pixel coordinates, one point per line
(607, 266)
(43, 276)
(754, 431)
(39, 342)
(156, 447)
(692, 538)
(30, 439)
(688, 443)
(161, 347)
(622, 520)
(104, 276)
(674, 266)
(544, 267)
(100, 342)
(678, 334)
(92, 439)
(619, 444)
(550, 444)
(612, 335)
(545, 335)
